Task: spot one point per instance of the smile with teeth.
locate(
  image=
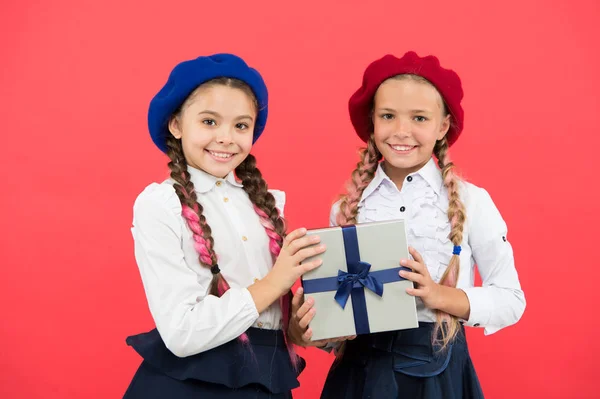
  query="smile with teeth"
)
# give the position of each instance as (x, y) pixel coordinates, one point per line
(223, 155)
(402, 147)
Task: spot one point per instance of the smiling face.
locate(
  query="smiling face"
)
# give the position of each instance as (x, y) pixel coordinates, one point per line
(216, 126)
(408, 118)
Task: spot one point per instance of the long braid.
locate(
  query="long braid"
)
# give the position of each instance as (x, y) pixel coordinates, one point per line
(361, 177)
(192, 212)
(275, 227)
(263, 201)
(457, 216)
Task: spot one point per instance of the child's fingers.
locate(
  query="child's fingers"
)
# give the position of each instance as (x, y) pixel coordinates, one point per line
(293, 235)
(415, 254)
(414, 277)
(307, 335)
(297, 300)
(304, 253)
(302, 242)
(306, 267)
(415, 292)
(306, 306)
(305, 321)
(416, 266)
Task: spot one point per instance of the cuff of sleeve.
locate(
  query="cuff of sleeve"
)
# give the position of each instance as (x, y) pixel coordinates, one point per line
(249, 304)
(481, 307)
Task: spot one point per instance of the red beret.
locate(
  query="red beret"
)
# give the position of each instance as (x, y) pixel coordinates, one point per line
(445, 81)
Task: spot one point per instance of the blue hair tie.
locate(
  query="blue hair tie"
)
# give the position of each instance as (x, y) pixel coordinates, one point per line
(456, 250)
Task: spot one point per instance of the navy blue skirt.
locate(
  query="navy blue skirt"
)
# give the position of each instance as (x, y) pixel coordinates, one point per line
(262, 369)
(403, 364)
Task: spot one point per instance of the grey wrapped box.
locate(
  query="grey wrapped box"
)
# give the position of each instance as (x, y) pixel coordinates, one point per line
(364, 255)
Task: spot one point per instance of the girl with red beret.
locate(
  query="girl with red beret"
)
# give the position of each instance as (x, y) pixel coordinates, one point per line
(408, 111)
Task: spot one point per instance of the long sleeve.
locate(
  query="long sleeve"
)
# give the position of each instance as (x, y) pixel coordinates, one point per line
(188, 320)
(500, 302)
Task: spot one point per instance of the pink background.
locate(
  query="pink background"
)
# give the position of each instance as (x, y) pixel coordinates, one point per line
(76, 80)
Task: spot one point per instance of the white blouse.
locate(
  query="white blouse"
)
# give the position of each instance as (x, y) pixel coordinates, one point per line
(188, 319)
(422, 203)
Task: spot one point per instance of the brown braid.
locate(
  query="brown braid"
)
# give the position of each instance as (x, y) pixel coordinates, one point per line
(257, 190)
(275, 227)
(184, 188)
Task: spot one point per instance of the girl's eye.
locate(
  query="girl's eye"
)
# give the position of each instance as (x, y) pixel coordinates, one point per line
(209, 122)
(387, 116)
(420, 118)
(241, 126)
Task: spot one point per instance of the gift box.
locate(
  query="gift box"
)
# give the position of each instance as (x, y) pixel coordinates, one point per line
(357, 290)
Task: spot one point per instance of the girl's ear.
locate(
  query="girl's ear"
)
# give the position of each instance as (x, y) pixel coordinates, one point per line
(174, 127)
(444, 127)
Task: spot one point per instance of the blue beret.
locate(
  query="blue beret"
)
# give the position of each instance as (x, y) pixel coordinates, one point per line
(187, 76)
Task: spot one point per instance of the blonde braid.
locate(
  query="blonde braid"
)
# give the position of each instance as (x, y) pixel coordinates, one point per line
(361, 177)
(457, 216)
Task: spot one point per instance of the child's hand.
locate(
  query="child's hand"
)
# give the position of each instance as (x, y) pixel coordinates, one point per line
(425, 288)
(302, 314)
(287, 268)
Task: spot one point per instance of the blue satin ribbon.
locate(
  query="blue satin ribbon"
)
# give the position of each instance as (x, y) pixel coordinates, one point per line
(353, 283)
(348, 281)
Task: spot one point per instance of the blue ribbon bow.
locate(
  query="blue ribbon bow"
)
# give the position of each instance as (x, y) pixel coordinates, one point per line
(348, 281)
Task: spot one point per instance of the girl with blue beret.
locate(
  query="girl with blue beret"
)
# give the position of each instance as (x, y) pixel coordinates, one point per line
(211, 245)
